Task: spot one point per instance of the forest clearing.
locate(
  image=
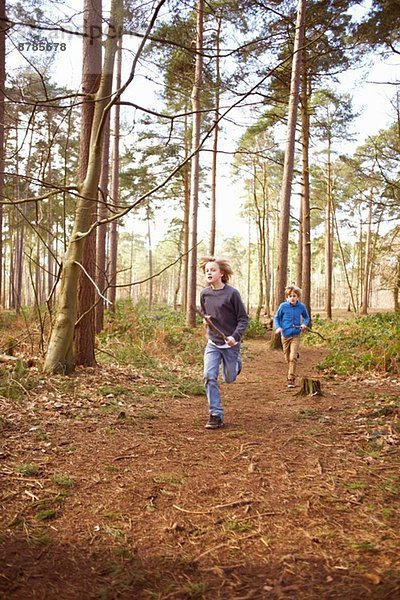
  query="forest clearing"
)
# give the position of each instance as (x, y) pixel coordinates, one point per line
(111, 487)
(149, 152)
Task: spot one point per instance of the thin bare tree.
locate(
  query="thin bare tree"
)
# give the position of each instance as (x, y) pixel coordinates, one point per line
(3, 29)
(284, 223)
(195, 167)
(60, 356)
(91, 69)
(113, 231)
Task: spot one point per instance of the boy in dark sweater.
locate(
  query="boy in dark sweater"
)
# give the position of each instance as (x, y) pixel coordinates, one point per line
(223, 304)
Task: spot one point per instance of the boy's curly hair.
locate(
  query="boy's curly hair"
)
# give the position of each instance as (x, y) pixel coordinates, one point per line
(293, 288)
(223, 264)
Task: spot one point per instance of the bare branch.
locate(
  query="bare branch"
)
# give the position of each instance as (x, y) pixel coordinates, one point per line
(156, 274)
(93, 282)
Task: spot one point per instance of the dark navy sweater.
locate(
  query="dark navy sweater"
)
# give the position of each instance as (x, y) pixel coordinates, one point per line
(227, 311)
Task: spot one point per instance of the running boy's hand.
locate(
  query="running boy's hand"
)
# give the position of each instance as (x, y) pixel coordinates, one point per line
(303, 326)
(279, 330)
(230, 340)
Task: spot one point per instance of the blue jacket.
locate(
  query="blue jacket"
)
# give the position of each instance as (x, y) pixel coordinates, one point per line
(290, 317)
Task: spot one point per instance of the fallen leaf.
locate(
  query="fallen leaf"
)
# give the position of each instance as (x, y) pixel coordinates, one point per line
(374, 578)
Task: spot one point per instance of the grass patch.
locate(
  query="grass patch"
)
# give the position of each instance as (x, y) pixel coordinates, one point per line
(44, 515)
(194, 590)
(236, 434)
(28, 470)
(309, 413)
(188, 388)
(237, 527)
(356, 486)
(360, 345)
(366, 547)
(147, 415)
(15, 382)
(170, 478)
(391, 486)
(112, 390)
(39, 537)
(64, 481)
(140, 337)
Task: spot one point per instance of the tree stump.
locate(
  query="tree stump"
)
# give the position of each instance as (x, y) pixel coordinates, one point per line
(310, 387)
(276, 341)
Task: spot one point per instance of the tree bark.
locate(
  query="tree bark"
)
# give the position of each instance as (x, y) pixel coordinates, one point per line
(305, 281)
(346, 274)
(185, 223)
(60, 356)
(367, 262)
(150, 259)
(267, 266)
(102, 229)
(396, 287)
(115, 192)
(85, 329)
(3, 28)
(299, 258)
(328, 238)
(215, 141)
(195, 168)
(283, 240)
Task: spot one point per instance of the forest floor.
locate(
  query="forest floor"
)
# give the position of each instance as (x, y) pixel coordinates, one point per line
(111, 494)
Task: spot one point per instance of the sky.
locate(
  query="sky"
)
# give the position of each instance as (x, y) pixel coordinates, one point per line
(372, 96)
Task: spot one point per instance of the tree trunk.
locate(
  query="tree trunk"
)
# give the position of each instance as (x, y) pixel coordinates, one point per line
(328, 238)
(368, 257)
(185, 233)
(215, 141)
(299, 257)
(102, 212)
(195, 168)
(59, 356)
(179, 274)
(396, 287)
(283, 240)
(50, 222)
(3, 28)
(353, 303)
(85, 329)
(267, 267)
(248, 262)
(150, 260)
(185, 223)
(115, 191)
(305, 281)
(19, 262)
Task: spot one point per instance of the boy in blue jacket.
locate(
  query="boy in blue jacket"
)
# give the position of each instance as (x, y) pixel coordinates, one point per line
(290, 320)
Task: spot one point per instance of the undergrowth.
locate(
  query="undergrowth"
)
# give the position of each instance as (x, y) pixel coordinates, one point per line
(363, 344)
(167, 352)
(143, 338)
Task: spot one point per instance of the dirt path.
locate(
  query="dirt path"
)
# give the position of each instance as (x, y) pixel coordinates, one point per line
(295, 498)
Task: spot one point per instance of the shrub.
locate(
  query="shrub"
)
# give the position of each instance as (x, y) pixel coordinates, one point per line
(255, 329)
(368, 343)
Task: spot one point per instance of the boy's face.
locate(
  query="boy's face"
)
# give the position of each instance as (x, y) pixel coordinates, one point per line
(292, 298)
(213, 273)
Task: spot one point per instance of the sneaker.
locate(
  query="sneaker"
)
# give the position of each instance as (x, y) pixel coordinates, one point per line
(214, 422)
(291, 383)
